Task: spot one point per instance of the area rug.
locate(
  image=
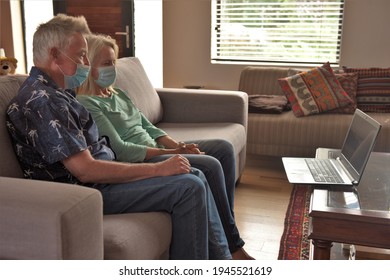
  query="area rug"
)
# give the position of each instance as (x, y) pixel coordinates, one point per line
(294, 244)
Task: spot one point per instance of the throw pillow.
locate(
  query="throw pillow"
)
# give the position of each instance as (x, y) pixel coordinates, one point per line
(272, 104)
(314, 91)
(348, 82)
(373, 89)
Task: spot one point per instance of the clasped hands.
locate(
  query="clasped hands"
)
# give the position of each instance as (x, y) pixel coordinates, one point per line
(191, 148)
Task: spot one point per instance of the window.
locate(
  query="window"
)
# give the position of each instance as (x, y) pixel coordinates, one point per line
(146, 12)
(290, 32)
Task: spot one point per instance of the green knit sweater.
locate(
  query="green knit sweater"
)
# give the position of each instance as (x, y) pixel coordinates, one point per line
(129, 131)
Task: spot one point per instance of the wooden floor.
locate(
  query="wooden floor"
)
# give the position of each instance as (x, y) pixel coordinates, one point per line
(261, 202)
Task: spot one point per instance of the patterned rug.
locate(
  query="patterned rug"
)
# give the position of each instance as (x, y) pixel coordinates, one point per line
(294, 244)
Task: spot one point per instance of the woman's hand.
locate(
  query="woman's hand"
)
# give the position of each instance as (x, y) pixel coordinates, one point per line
(184, 148)
(174, 147)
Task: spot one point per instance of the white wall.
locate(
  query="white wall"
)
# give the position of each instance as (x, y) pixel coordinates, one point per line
(366, 34)
(187, 24)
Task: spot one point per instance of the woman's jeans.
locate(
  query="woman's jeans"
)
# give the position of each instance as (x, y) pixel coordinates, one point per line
(218, 165)
(197, 232)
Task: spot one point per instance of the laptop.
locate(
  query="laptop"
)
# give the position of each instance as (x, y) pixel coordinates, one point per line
(347, 164)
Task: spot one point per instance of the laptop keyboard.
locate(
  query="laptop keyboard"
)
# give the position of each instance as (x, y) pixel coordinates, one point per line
(323, 171)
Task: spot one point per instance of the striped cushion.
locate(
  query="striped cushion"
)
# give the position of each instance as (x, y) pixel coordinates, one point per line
(373, 91)
(314, 91)
(348, 82)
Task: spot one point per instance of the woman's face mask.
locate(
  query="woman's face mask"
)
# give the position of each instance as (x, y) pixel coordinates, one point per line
(79, 77)
(107, 76)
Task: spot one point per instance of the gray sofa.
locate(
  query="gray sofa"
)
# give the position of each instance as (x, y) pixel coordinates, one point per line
(48, 220)
(286, 135)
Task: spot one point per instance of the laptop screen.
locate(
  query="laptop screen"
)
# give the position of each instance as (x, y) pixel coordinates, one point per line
(360, 141)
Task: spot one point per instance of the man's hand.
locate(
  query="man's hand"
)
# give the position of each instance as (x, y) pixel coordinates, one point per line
(175, 165)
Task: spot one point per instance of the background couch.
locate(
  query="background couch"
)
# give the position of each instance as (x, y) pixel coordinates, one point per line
(48, 220)
(286, 135)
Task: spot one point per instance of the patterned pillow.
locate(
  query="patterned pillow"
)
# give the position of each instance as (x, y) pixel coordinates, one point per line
(348, 82)
(314, 91)
(373, 89)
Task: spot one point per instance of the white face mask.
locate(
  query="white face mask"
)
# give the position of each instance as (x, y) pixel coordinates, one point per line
(107, 76)
(79, 77)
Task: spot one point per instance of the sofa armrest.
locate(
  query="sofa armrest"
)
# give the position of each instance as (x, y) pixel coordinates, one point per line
(197, 106)
(48, 220)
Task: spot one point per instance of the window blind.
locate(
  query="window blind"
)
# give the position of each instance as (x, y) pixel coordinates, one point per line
(277, 31)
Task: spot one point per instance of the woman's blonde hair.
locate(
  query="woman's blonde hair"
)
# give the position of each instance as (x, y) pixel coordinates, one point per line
(96, 42)
(55, 34)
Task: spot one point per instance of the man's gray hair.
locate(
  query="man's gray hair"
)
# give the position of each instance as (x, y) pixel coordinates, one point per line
(56, 33)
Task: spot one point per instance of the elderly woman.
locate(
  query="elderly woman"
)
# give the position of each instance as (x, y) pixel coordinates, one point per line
(135, 139)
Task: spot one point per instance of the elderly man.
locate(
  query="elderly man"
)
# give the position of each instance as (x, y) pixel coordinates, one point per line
(57, 140)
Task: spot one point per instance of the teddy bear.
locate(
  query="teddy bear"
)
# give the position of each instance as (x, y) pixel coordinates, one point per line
(7, 65)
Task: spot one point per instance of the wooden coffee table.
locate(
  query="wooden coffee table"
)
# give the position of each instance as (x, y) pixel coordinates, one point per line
(359, 218)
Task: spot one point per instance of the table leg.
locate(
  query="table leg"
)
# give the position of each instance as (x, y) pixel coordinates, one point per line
(321, 250)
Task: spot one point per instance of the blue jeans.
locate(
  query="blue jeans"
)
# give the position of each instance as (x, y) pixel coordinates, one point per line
(197, 232)
(218, 165)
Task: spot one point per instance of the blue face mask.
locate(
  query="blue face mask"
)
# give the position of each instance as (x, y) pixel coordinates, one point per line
(79, 77)
(107, 76)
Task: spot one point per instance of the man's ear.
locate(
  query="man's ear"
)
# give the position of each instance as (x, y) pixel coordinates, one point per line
(54, 53)
(54, 59)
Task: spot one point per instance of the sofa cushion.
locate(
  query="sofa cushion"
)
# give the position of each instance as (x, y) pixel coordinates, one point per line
(9, 164)
(231, 132)
(286, 135)
(373, 90)
(132, 79)
(137, 236)
(348, 82)
(314, 91)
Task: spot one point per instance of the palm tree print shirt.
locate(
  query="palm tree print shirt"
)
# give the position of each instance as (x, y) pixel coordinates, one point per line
(47, 125)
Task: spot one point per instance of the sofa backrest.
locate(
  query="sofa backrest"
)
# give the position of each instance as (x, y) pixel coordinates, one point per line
(262, 80)
(132, 79)
(9, 165)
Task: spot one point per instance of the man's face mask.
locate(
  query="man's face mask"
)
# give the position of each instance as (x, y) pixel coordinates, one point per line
(79, 77)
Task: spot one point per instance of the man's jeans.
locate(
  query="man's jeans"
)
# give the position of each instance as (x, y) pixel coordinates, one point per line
(197, 231)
